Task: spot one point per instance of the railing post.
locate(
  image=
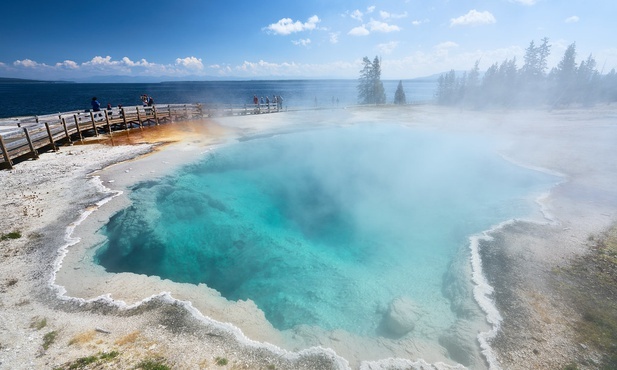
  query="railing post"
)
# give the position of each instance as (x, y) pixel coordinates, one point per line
(93, 123)
(66, 131)
(51, 137)
(35, 154)
(108, 121)
(5, 154)
(81, 138)
(123, 120)
(138, 118)
(156, 116)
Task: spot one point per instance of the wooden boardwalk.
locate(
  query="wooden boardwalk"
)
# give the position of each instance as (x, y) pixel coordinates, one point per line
(24, 137)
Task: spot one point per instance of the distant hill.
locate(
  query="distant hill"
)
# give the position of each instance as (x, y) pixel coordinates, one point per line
(9, 80)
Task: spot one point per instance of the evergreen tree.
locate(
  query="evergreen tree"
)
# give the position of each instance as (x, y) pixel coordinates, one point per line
(531, 63)
(608, 89)
(490, 85)
(370, 87)
(505, 85)
(365, 82)
(533, 73)
(378, 90)
(587, 79)
(399, 95)
(544, 51)
(446, 88)
(564, 78)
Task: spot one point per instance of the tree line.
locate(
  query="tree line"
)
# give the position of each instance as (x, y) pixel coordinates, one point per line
(370, 87)
(504, 84)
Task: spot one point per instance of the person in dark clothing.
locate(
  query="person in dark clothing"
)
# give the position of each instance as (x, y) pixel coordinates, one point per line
(96, 106)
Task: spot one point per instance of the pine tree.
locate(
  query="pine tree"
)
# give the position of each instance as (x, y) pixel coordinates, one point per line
(446, 88)
(564, 77)
(370, 87)
(365, 82)
(379, 93)
(399, 95)
(587, 81)
(544, 51)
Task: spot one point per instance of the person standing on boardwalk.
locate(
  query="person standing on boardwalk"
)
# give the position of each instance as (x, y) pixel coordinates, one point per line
(96, 106)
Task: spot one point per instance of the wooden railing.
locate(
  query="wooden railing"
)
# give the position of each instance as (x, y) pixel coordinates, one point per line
(25, 136)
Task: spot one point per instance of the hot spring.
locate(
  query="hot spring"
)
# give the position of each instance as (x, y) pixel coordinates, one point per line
(328, 227)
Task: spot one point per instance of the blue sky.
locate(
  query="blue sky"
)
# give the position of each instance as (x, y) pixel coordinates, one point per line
(198, 39)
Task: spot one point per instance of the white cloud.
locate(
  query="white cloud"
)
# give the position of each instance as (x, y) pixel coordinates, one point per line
(67, 64)
(386, 15)
(359, 31)
(99, 60)
(388, 47)
(378, 26)
(27, 63)
(473, 18)
(130, 63)
(357, 15)
(444, 59)
(338, 69)
(190, 63)
(419, 22)
(104, 66)
(287, 26)
(334, 37)
(373, 26)
(302, 42)
(572, 19)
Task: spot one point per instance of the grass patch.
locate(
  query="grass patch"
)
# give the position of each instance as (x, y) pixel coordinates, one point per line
(49, 339)
(11, 235)
(83, 362)
(128, 339)
(109, 355)
(38, 323)
(221, 361)
(83, 338)
(153, 364)
(591, 288)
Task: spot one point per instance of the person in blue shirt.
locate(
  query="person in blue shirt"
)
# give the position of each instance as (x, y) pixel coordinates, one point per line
(96, 106)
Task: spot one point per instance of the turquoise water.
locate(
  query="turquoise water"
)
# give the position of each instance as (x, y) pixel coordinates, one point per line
(324, 227)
